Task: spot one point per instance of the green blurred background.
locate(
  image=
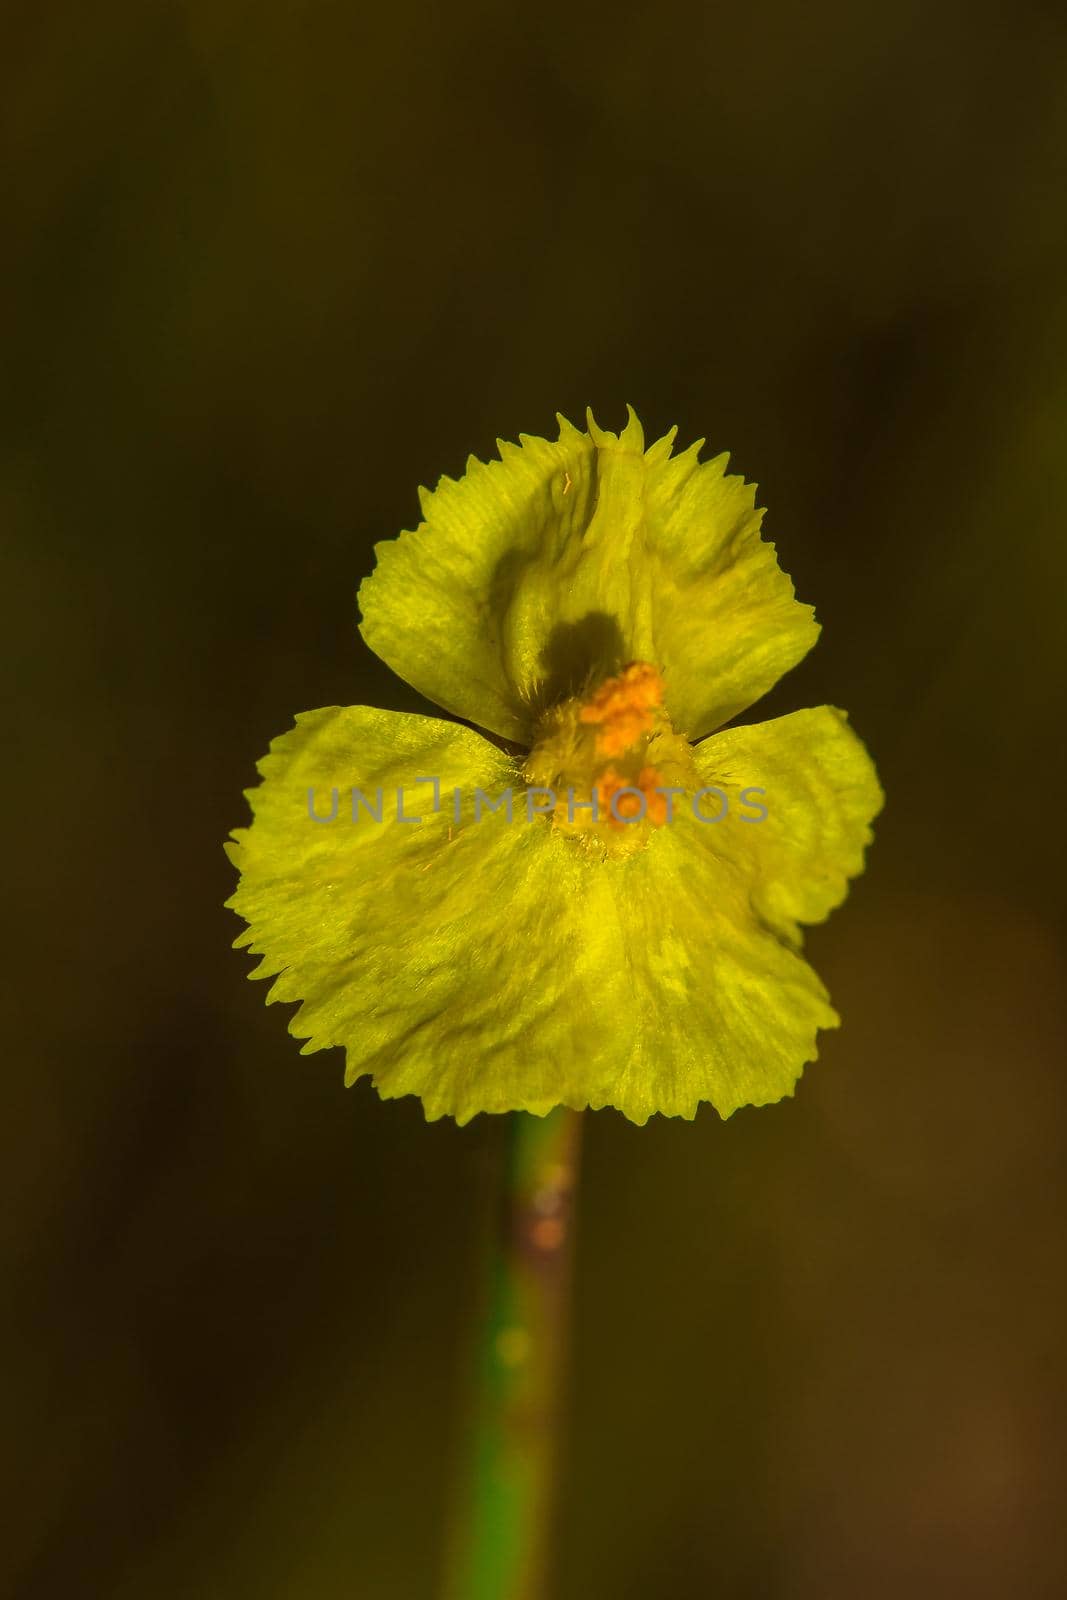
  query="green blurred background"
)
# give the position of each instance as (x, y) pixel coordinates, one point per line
(273, 267)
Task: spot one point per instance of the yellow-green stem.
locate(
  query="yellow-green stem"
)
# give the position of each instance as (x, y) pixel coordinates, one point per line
(500, 1541)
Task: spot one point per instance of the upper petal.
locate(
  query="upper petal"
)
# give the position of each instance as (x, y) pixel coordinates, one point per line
(564, 560)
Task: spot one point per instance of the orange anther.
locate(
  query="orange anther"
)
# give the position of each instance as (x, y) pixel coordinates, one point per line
(622, 707)
(609, 784)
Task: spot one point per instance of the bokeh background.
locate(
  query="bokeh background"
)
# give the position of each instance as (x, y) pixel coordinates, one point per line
(272, 267)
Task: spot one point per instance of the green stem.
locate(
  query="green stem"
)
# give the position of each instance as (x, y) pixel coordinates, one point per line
(500, 1541)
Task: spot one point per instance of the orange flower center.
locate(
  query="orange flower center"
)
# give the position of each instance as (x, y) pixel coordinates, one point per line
(608, 756)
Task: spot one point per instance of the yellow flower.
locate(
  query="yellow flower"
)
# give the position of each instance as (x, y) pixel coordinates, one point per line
(601, 903)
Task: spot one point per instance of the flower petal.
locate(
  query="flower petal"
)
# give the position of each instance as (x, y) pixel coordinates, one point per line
(717, 1008)
(435, 952)
(493, 965)
(820, 792)
(564, 560)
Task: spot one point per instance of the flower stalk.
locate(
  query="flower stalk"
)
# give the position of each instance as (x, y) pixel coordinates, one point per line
(500, 1540)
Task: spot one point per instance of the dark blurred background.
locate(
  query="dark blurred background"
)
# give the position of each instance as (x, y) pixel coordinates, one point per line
(273, 267)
